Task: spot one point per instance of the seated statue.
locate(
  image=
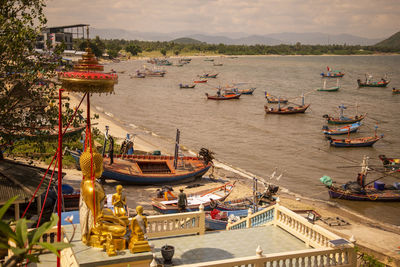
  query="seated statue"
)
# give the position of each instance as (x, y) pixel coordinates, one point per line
(138, 242)
(119, 202)
(99, 227)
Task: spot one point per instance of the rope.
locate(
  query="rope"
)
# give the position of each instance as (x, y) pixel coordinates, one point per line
(55, 154)
(47, 192)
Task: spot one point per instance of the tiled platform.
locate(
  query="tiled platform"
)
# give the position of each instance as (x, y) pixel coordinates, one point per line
(192, 249)
(228, 244)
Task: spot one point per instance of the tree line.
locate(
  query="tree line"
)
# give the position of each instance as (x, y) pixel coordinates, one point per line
(113, 46)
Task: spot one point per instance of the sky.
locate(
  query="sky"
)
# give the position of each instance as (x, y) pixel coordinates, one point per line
(365, 18)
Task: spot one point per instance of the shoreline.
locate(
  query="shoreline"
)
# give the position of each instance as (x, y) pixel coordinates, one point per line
(371, 234)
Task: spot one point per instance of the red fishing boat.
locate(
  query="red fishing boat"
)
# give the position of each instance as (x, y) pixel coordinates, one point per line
(286, 110)
(200, 81)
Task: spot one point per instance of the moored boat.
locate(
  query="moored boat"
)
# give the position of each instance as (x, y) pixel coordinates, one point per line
(152, 169)
(360, 191)
(275, 100)
(226, 96)
(332, 73)
(342, 130)
(342, 119)
(286, 110)
(390, 164)
(186, 85)
(329, 89)
(395, 91)
(368, 83)
(355, 142)
(200, 81)
(218, 64)
(194, 201)
(208, 75)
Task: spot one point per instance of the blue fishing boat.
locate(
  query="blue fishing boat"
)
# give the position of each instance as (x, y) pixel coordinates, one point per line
(342, 119)
(342, 130)
(354, 142)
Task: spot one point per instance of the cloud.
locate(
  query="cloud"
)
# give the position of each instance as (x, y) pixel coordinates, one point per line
(368, 18)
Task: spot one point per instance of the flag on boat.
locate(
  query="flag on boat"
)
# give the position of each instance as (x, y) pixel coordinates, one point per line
(329, 69)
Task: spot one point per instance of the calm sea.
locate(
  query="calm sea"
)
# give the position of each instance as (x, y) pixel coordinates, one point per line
(241, 134)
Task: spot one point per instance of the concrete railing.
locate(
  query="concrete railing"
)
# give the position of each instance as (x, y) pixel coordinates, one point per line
(259, 218)
(323, 257)
(176, 224)
(313, 235)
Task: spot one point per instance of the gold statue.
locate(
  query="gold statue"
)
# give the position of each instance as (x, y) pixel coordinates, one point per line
(119, 202)
(138, 242)
(99, 227)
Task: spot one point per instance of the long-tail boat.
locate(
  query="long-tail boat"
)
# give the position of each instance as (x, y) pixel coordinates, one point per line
(342, 119)
(367, 83)
(395, 91)
(186, 85)
(342, 130)
(329, 89)
(390, 164)
(355, 142)
(208, 75)
(275, 100)
(200, 81)
(247, 91)
(226, 96)
(360, 191)
(287, 110)
(218, 64)
(332, 73)
(167, 206)
(209, 59)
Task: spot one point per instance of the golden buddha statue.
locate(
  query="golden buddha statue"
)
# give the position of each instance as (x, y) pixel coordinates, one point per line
(119, 202)
(99, 227)
(138, 242)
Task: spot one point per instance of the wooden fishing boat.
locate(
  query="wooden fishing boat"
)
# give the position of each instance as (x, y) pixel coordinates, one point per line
(186, 85)
(286, 110)
(275, 100)
(332, 74)
(390, 164)
(227, 96)
(354, 142)
(395, 91)
(218, 64)
(342, 130)
(344, 120)
(359, 191)
(194, 201)
(248, 91)
(209, 59)
(207, 75)
(382, 83)
(152, 169)
(200, 81)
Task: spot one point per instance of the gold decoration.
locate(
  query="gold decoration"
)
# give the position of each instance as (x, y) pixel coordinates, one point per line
(138, 242)
(119, 202)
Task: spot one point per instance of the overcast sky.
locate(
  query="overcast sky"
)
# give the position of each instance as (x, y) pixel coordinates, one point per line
(369, 18)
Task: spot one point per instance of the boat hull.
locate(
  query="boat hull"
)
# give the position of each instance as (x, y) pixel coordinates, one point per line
(226, 97)
(332, 89)
(353, 142)
(385, 195)
(344, 130)
(284, 111)
(331, 120)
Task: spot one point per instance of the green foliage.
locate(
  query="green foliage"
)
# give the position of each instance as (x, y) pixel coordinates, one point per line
(133, 49)
(27, 245)
(163, 51)
(367, 260)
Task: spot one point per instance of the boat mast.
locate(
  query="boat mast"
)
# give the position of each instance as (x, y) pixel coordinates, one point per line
(302, 99)
(341, 107)
(324, 87)
(178, 133)
(364, 166)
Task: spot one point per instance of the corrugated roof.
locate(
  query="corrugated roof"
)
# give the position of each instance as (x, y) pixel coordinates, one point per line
(20, 179)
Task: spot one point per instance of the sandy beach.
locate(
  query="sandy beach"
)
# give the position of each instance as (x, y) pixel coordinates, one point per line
(383, 240)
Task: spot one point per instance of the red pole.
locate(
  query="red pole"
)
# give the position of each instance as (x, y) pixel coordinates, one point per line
(59, 193)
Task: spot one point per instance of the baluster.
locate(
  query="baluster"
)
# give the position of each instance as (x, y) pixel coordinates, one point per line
(340, 258)
(315, 264)
(302, 261)
(283, 263)
(295, 262)
(346, 257)
(308, 263)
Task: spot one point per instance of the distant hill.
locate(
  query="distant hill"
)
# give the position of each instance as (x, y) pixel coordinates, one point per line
(186, 40)
(238, 38)
(391, 42)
